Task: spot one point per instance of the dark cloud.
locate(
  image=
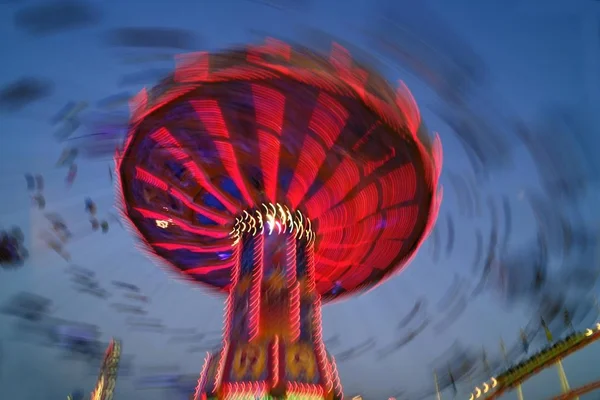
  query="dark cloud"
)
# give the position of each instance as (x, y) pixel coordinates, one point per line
(56, 16)
(22, 92)
(152, 38)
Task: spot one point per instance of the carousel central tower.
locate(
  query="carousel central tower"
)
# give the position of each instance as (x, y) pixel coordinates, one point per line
(273, 344)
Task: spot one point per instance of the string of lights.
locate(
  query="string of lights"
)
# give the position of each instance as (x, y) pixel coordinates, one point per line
(549, 356)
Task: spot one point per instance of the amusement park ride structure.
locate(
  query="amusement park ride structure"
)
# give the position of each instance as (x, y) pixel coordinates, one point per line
(107, 378)
(513, 377)
(283, 179)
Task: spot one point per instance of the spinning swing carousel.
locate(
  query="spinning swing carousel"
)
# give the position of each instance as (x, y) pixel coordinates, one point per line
(283, 179)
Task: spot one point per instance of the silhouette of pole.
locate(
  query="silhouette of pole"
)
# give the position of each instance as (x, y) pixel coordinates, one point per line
(564, 382)
(438, 395)
(505, 356)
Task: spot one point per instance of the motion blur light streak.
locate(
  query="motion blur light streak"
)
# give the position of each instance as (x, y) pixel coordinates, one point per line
(107, 378)
(305, 225)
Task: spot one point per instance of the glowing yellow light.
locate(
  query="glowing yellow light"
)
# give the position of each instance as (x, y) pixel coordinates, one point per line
(494, 382)
(269, 218)
(282, 215)
(486, 388)
(97, 395)
(477, 392)
(589, 332)
(252, 224)
(161, 223)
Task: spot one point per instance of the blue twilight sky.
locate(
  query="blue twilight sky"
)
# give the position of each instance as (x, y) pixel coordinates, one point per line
(536, 56)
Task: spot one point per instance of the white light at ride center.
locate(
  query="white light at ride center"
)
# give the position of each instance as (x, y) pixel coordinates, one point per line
(272, 218)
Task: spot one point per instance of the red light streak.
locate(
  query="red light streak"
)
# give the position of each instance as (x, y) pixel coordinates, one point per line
(257, 281)
(192, 67)
(202, 378)
(294, 288)
(211, 116)
(327, 121)
(275, 355)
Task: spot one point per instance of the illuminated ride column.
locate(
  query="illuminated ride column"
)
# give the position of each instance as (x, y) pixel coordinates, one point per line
(107, 378)
(272, 345)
